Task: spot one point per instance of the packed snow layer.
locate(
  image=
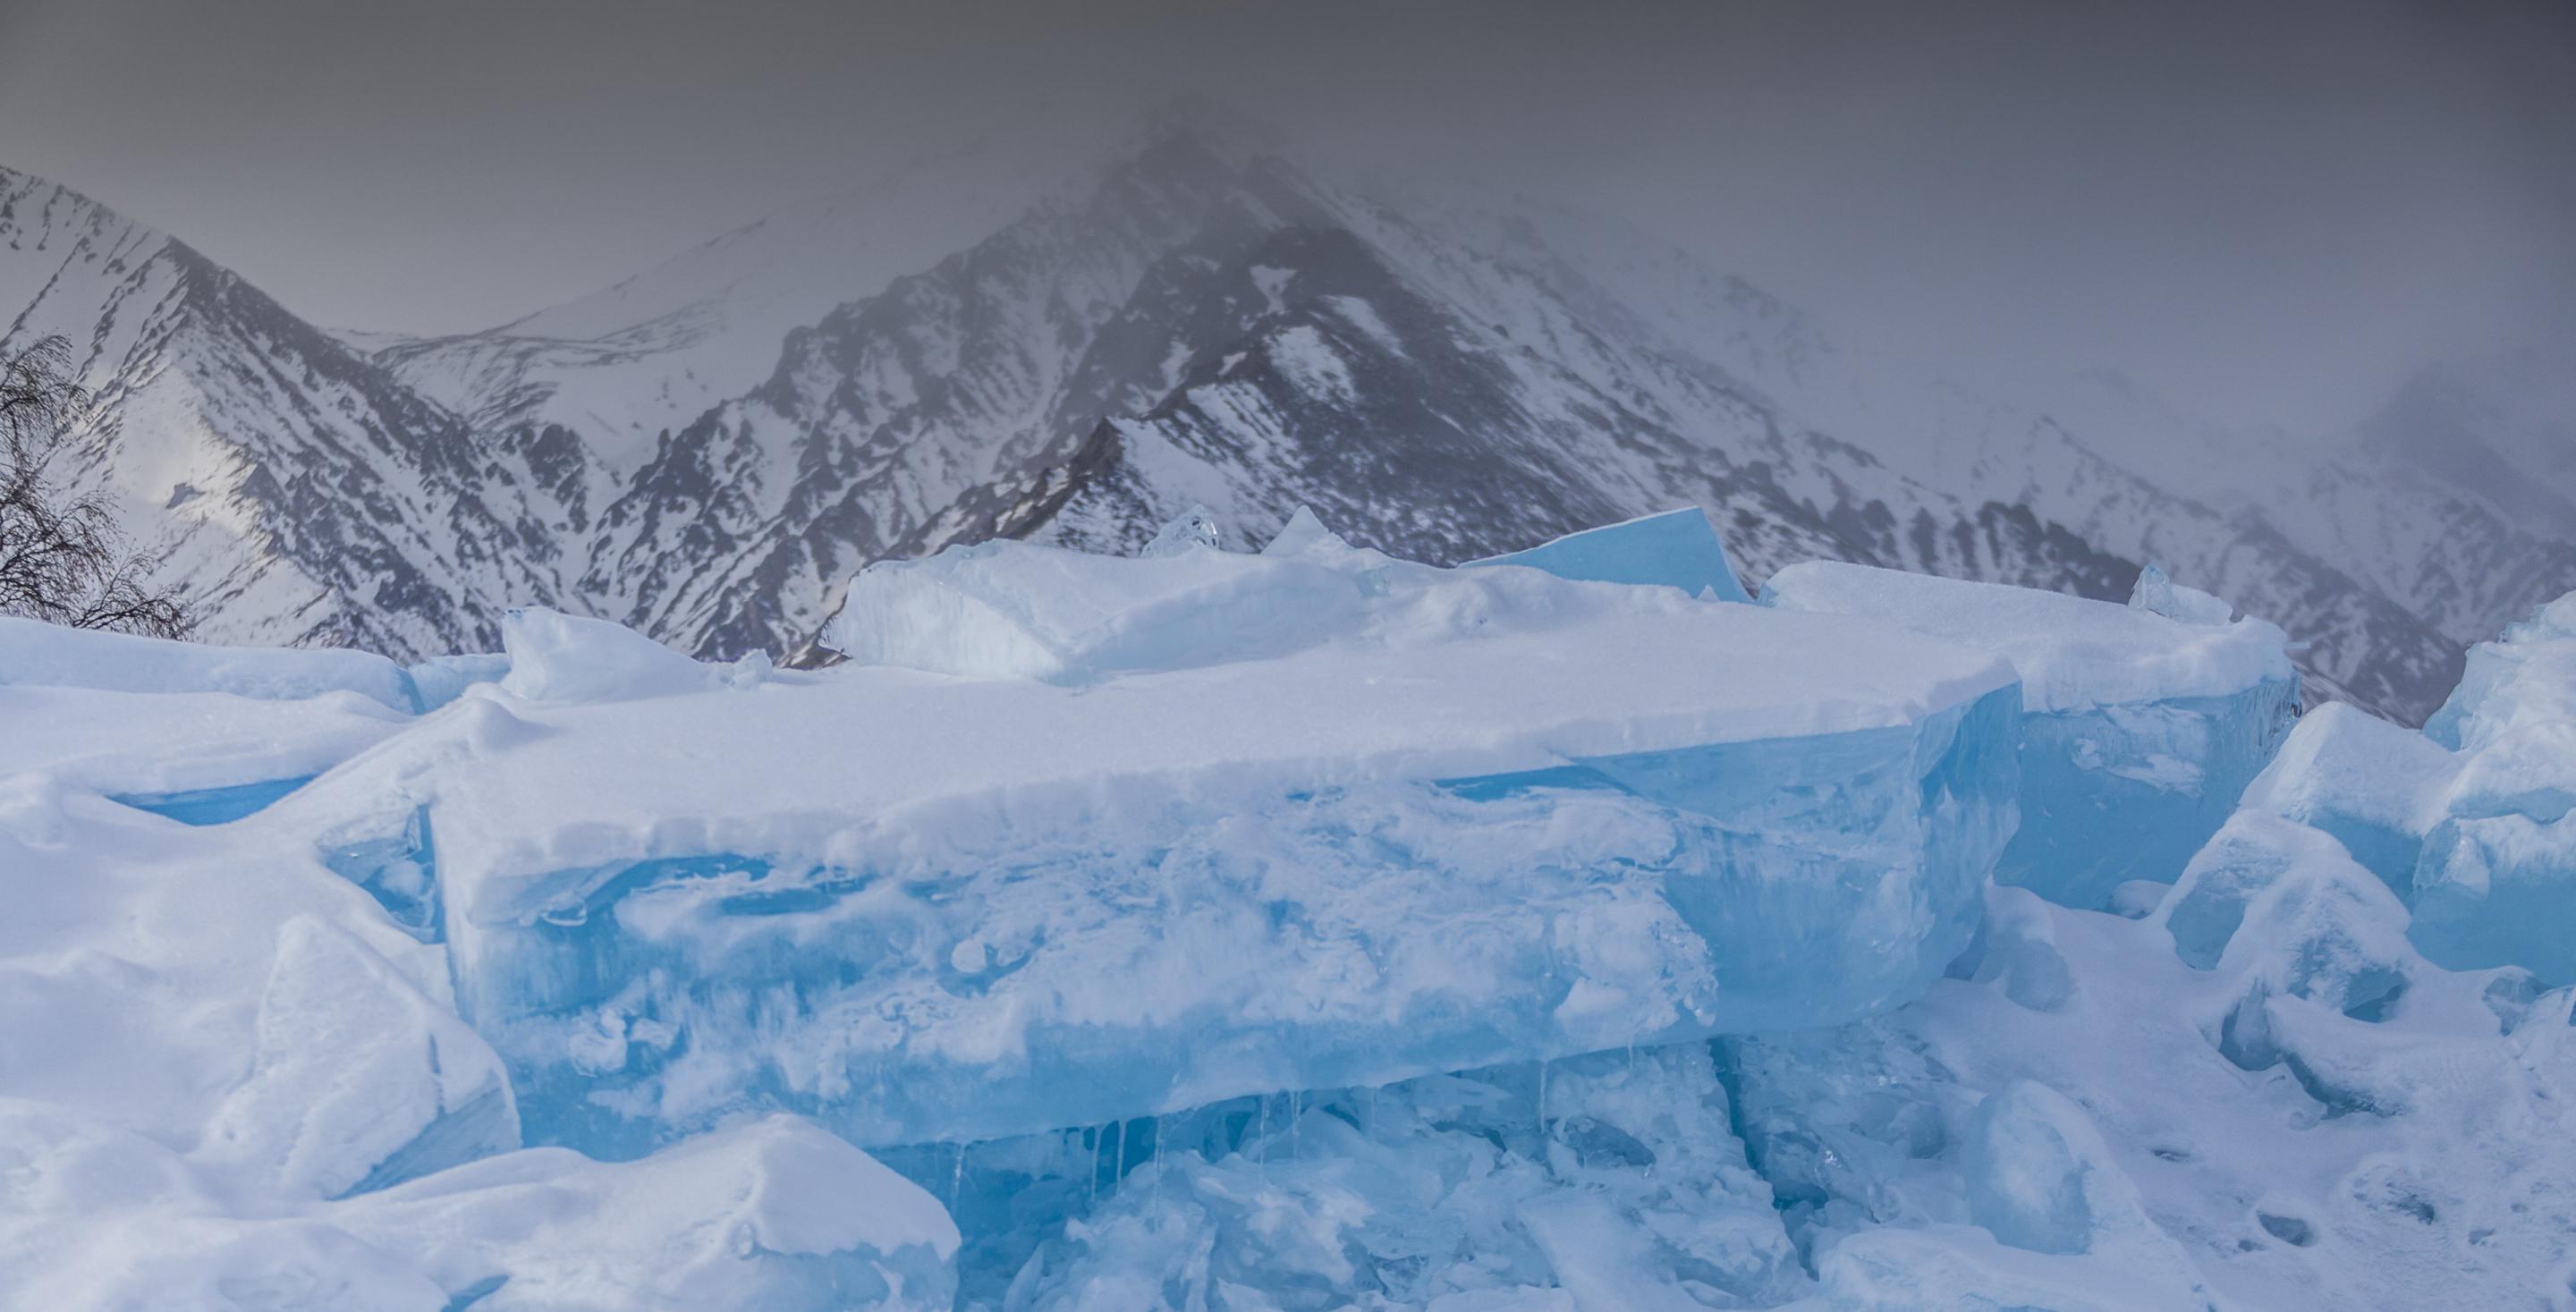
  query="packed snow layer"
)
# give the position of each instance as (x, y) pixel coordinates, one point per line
(928, 916)
(48, 655)
(1677, 549)
(2144, 723)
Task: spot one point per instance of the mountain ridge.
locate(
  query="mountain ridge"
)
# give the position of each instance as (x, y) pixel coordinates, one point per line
(1199, 321)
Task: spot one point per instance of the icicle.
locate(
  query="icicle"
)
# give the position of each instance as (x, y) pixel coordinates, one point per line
(1118, 1158)
(1295, 1115)
(1264, 1137)
(956, 1179)
(1542, 1099)
(1091, 1195)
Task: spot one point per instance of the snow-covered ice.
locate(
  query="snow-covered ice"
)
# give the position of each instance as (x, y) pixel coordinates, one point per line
(1216, 931)
(928, 918)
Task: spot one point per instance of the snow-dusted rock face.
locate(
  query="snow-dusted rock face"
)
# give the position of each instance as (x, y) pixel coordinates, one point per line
(705, 452)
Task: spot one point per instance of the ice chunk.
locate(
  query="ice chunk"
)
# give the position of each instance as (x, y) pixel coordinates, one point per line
(924, 907)
(2156, 592)
(2497, 693)
(2496, 881)
(980, 987)
(2140, 731)
(1674, 549)
(2040, 1177)
(555, 657)
(2375, 786)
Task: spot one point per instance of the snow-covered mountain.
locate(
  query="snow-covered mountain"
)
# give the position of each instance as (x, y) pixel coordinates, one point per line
(706, 451)
(291, 488)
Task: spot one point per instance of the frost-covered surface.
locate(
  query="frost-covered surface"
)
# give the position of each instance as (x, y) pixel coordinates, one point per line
(1482, 939)
(2143, 723)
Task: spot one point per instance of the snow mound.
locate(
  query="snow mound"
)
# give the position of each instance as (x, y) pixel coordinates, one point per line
(554, 657)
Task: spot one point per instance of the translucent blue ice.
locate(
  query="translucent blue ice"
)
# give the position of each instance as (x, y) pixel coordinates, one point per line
(2120, 793)
(214, 806)
(1071, 971)
(1677, 548)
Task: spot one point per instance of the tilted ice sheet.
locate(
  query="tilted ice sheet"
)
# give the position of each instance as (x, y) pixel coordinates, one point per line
(2072, 654)
(1674, 549)
(2140, 732)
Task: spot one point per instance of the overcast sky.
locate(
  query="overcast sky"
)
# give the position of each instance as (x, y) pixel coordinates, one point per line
(2270, 212)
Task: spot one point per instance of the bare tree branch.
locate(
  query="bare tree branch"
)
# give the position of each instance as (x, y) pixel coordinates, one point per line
(62, 557)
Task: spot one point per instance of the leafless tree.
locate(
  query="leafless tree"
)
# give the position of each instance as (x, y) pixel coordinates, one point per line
(62, 557)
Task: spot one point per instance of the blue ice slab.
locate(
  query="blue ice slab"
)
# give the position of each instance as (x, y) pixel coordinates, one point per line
(1677, 548)
(1079, 969)
(214, 806)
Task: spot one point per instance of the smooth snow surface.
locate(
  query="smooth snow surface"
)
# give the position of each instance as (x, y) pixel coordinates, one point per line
(1302, 930)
